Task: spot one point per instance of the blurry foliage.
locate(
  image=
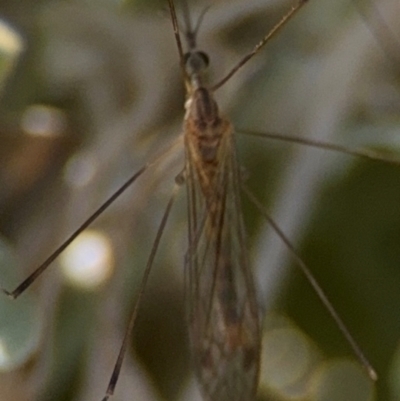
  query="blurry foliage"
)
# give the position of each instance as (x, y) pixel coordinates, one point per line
(111, 69)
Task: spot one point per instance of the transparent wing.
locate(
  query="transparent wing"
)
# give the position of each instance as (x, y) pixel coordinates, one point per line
(222, 307)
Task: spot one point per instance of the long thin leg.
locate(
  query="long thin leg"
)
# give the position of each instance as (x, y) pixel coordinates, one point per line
(294, 9)
(317, 288)
(41, 269)
(118, 364)
(365, 153)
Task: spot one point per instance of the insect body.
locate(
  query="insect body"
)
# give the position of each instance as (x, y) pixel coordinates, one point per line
(222, 311)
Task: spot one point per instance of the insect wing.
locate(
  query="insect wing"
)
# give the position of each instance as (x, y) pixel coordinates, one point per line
(222, 307)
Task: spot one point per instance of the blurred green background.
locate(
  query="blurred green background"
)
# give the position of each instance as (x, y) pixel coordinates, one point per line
(91, 90)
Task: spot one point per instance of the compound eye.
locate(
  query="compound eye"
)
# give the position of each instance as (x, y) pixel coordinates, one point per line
(196, 62)
(199, 57)
(204, 57)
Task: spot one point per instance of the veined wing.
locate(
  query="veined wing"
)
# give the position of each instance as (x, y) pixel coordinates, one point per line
(222, 307)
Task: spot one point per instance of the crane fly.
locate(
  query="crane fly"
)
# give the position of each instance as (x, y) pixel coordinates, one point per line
(222, 309)
(223, 314)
